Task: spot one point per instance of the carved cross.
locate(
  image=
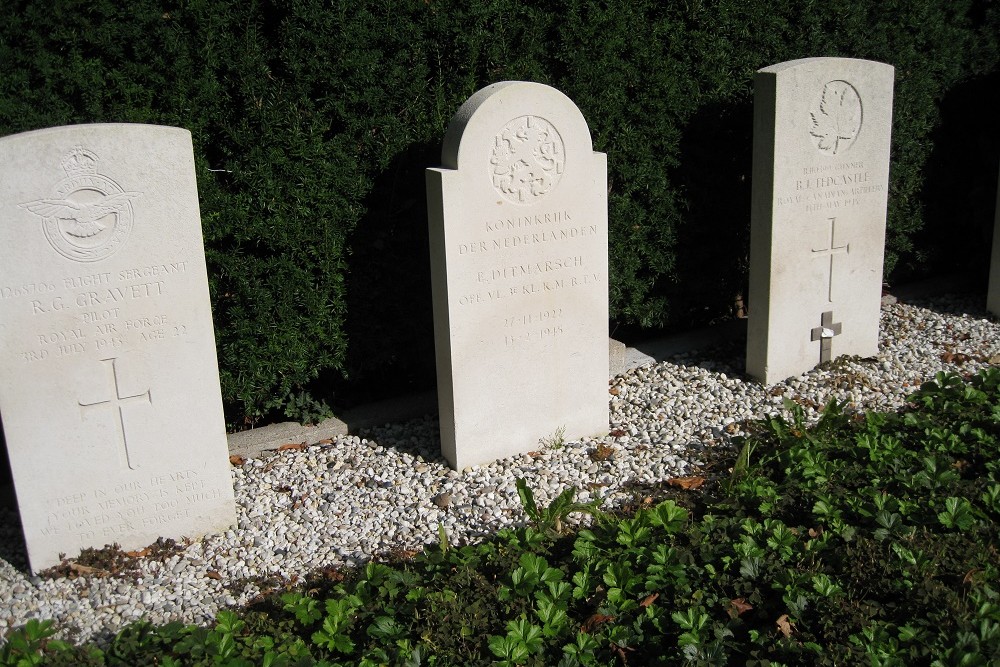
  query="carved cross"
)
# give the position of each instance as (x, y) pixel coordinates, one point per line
(831, 251)
(118, 402)
(825, 333)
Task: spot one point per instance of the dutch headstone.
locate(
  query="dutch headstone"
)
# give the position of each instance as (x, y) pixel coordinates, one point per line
(820, 182)
(993, 295)
(110, 388)
(519, 259)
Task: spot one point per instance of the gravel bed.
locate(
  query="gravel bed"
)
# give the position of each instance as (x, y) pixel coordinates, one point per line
(342, 503)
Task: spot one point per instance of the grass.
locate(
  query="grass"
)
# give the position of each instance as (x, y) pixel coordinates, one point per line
(863, 539)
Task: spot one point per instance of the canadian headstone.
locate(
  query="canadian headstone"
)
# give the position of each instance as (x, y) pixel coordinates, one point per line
(110, 394)
(519, 259)
(993, 294)
(820, 184)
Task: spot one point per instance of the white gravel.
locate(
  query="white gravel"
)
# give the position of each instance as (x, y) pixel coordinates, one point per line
(342, 503)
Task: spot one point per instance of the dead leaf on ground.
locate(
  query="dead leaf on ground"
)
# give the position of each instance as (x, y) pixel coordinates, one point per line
(686, 483)
(954, 358)
(784, 626)
(738, 607)
(602, 453)
(617, 433)
(237, 460)
(332, 574)
(650, 599)
(212, 574)
(595, 620)
(141, 553)
(292, 447)
(614, 391)
(325, 441)
(84, 570)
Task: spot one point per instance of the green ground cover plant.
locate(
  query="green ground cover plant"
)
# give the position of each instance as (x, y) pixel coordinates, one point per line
(862, 539)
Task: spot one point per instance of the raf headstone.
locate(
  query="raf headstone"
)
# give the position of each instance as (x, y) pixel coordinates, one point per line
(519, 259)
(820, 182)
(993, 295)
(109, 384)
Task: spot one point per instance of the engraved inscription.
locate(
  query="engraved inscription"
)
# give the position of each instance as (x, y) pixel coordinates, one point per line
(529, 289)
(521, 221)
(527, 159)
(527, 239)
(118, 402)
(124, 507)
(89, 217)
(830, 187)
(836, 121)
(98, 299)
(535, 335)
(529, 269)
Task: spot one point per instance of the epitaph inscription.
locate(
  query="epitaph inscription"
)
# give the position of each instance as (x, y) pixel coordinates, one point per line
(109, 385)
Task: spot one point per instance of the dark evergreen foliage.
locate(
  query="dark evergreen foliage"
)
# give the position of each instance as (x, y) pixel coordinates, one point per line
(313, 122)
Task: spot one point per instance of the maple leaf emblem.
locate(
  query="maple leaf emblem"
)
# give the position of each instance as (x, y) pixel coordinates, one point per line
(836, 124)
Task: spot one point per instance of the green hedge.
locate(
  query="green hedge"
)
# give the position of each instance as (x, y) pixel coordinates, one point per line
(313, 122)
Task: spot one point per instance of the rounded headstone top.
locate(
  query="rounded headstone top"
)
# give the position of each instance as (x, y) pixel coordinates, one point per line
(516, 126)
(826, 61)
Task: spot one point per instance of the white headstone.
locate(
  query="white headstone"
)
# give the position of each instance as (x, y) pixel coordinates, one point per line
(993, 295)
(110, 387)
(519, 264)
(820, 182)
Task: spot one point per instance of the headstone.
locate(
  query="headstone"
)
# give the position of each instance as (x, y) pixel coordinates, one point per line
(820, 183)
(110, 393)
(993, 295)
(519, 259)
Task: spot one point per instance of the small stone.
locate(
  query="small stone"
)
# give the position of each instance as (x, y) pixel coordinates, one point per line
(442, 500)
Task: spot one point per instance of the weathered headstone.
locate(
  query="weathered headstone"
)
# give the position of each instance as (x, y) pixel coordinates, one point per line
(109, 384)
(820, 182)
(993, 295)
(519, 259)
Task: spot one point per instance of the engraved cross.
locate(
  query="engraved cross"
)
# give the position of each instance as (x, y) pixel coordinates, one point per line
(825, 333)
(118, 402)
(831, 251)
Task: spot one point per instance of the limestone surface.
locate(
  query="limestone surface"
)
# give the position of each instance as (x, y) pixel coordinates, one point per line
(518, 219)
(109, 384)
(820, 185)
